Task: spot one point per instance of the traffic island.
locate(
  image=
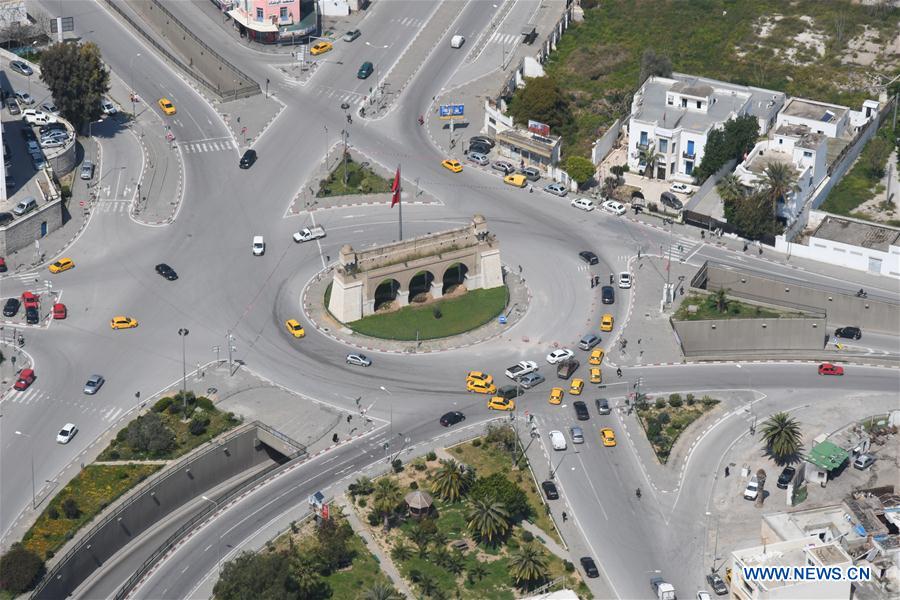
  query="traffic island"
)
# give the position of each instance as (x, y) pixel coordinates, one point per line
(663, 421)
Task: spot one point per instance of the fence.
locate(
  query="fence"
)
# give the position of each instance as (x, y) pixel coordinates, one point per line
(605, 144)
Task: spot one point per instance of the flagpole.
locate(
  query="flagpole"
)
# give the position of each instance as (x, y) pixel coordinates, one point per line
(400, 204)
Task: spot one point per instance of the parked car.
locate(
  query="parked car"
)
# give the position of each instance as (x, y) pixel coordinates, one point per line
(24, 98)
(94, 383)
(557, 189)
(49, 107)
(87, 170)
(503, 166)
(787, 474)
(716, 583)
(34, 116)
(550, 490)
(11, 307)
(607, 294)
(558, 440)
(589, 257)
(863, 461)
(479, 148)
(531, 173)
(482, 139)
(360, 360)
(850, 333)
(624, 280)
(584, 204)
(531, 380)
(478, 158)
(25, 206)
(21, 67)
(679, 188)
(25, 379)
(669, 199)
(6, 217)
(589, 566)
(613, 207)
(60, 311)
(12, 105)
(66, 434)
(752, 489)
(452, 418)
(108, 107)
(581, 410)
(516, 180)
(352, 35)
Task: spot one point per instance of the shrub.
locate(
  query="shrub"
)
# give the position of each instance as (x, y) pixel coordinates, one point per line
(499, 488)
(660, 403)
(568, 566)
(114, 455)
(362, 502)
(674, 397)
(70, 508)
(123, 433)
(707, 401)
(689, 399)
(162, 404)
(397, 465)
(527, 536)
(123, 475)
(231, 418)
(197, 426)
(476, 443)
(675, 402)
(653, 428)
(431, 455)
(413, 485)
(174, 408)
(419, 465)
(374, 518)
(664, 418)
(53, 513)
(148, 433)
(205, 403)
(437, 313)
(20, 569)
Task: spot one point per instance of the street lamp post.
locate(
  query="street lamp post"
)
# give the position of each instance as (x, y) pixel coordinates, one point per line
(183, 332)
(33, 503)
(131, 69)
(384, 389)
(219, 545)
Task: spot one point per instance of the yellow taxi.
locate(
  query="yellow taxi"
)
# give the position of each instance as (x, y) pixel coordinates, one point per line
(167, 107)
(452, 165)
(121, 322)
(480, 386)
(321, 48)
(556, 395)
(606, 322)
(295, 328)
(608, 436)
(516, 179)
(479, 376)
(63, 264)
(596, 356)
(501, 403)
(576, 387)
(596, 375)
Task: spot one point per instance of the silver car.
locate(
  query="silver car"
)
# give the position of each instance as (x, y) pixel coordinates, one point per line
(478, 158)
(502, 165)
(531, 380)
(87, 170)
(577, 435)
(94, 383)
(360, 360)
(557, 189)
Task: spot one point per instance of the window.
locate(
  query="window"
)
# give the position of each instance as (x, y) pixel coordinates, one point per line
(688, 167)
(690, 148)
(663, 145)
(282, 13)
(259, 14)
(699, 104)
(807, 154)
(684, 103)
(670, 100)
(643, 141)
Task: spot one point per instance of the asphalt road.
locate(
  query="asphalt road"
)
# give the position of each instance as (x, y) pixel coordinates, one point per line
(222, 288)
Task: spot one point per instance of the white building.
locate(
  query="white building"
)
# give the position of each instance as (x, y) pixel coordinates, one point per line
(830, 120)
(804, 151)
(800, 552)
(12, 12)
(672, 117)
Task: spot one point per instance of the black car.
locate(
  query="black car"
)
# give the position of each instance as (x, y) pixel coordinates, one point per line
(479, 148)
(166, 271)
(589, 566)
(248, 159)
(581, 411)
(550, 490)
(365, 70)
(21, 67)
(602, 406)
(669, 199)
(31, 316)
(787, 474)
(589, 257)
(6, 217)
(13, 106)
(11, 307)
(716, 583)
(482, 139)
(608, 294)
(510, 391)
(850, 333)
(452, 418)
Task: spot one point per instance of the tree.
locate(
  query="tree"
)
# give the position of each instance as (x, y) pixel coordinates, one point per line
(381, 591)
(732, 142)
(877, 152)
(778, 181)
(77, 79)
(476, 571)
(387, 497)
(752, 216)
(781, 434)
(150, 434)
(421, 538)
(721, 299)
(361, 487)
(653, 64)
(488, 520)
(251, 575)
(20, 569)
(450, 482)
(580, 169)
(761, 496)
(528, 565)
(401, 551)
(730, 188)
(428, 584)
(307, 579)
(498, 488)
(70, 508)
(334, 544)
(541, 100)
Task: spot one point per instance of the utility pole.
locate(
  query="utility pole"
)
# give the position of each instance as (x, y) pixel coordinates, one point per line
(183, 332)
(229, 339)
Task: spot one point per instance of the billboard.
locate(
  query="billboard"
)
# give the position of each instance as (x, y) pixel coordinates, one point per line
(538, 128)
(452, 111)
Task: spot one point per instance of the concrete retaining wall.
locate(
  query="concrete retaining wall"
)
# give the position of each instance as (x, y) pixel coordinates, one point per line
(730, 336)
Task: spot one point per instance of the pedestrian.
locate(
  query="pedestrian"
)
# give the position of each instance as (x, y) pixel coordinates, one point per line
(702, 235)
(349, 418)
(641, 354)
(760, 250)
(592, 283)
(611, 278)
(727, 471)
(639, 341)
(745, 246)
(520, 269)
(619, 371)
(565, 516)
(639, 253)
(334, 438)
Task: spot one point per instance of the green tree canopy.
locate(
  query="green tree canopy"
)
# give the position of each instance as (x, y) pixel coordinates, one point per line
(528, 565)
(264, 575)
(386, 499)
(77, 79)
(150, 434)
(580, 169)
(541, 100)
(488, 520)
(734, 140)
(498, 488)
(654, 64)
(20, 569)
(450, 482)
(334, 548)
(782, 437)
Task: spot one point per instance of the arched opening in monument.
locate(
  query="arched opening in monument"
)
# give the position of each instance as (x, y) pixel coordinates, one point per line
(454, 276)
(419, 286)
(386, 292)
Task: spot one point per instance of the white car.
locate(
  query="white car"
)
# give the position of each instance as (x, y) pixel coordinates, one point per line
(679, 188)
(34, 116)
(611, 206)
(478, 158)
(259, 245)
(624, 280)
(108, 107)
(701, 595)
(752, 490)
(524, 367)
(66, 434)
(558, 440)
(583, 203)
(559, 355)
(557, 189)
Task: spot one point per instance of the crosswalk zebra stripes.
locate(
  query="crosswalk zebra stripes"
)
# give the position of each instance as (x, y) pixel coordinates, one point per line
(220, 145)
(89, 405)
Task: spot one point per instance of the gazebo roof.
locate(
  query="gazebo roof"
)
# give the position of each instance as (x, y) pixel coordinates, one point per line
(418, 500)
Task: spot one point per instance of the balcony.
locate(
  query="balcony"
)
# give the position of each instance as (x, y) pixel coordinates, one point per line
(643, 146)
(688, 155)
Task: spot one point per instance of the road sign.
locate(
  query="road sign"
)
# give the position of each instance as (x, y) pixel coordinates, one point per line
(452, 111)
(81, 203)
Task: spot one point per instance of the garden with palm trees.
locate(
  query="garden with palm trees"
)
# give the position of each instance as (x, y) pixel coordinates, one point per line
(470, 543)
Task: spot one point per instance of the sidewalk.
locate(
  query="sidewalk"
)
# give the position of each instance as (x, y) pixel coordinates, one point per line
(384, 559)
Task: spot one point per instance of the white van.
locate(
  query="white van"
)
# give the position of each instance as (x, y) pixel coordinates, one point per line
(259, 245)
(558, 440)
(457, 41)
(583, 203)
(37, 117)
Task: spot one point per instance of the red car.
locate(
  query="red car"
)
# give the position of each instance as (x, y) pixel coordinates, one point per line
(30, 300)
(830, 369)
(2, 265)
(60, 311)
(26, 378)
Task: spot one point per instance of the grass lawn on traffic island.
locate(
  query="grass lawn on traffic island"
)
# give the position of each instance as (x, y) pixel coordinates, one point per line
(92, 490)
(664, 421)
(707, 310)
(457, 315)
(360, 180)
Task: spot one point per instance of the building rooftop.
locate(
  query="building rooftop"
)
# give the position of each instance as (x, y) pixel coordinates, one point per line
(759, 161)
(829, 554)
(725, 99)
(827, 456)
(858, 233)
(801, 523)
(540, 145)
(816, 111)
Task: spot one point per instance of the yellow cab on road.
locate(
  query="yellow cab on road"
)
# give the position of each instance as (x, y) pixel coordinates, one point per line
(516, 179)
(63, 264)
(556, 395)
(167, 107)
(596, 375)
(576, 387)
(606, 322)
(596, 356)
(321, 48)
(479, 376)
(295, 328)
(452, 165)
(480, 386)
(122, 322)
(608, 436)
(501, 403)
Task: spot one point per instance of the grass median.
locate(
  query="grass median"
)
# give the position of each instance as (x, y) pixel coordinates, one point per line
(436, 320)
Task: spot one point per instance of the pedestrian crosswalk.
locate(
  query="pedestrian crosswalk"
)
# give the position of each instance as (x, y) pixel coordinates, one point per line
(505, 39)
(218, 145)
(409, 22)
(88, 405)
(28, 277)
(340, 95)
(682, 248)
(112, 206)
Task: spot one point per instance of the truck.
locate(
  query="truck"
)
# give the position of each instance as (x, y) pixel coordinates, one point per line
(523, 367)
(664, 591)
(566, 368)
(309, 233)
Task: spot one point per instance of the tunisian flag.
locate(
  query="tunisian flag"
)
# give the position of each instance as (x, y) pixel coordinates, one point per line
(395, 189)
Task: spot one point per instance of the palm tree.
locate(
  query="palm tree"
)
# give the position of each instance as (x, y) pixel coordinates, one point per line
(761, 479)
(778, 181)
(730, 188)
(361, 487)
(454, 562)
(488, 519)
(721, 299)
(782, 437)
(450, 481)
(428, 584)
(387, 498)
(420, 538)
(308, 581)
(401, 551)
(528, 565)
(476, 571)
(381, 591)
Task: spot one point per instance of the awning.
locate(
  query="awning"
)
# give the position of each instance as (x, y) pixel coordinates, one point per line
(510, 137)
(260, 26)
